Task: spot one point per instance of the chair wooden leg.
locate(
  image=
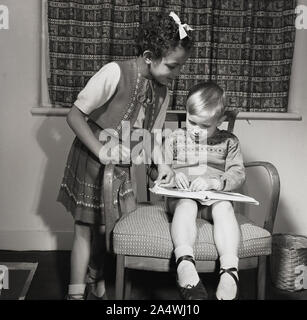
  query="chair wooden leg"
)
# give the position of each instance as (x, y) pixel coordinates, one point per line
(261, 278)
(127, 284)
(120, 277)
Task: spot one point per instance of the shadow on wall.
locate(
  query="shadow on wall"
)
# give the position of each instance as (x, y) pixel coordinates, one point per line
(259, 187)
(54, 138)
(285, 223)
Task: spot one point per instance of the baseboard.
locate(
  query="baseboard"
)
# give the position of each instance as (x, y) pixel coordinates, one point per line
(27, 240)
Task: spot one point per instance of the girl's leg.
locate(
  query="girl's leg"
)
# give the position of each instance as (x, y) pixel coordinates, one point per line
(96, 280)
(227, 235)
(79, 260)
(183, 232)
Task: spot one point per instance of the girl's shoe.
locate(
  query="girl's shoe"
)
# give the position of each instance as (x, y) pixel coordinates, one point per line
(231, 271)
(90, 285)
(92, 296)
(189, 292)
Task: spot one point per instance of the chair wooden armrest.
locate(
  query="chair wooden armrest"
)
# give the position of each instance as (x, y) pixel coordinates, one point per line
(109, 207)
(274, 196)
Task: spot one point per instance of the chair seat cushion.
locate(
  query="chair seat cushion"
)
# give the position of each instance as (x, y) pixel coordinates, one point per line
(146, 232)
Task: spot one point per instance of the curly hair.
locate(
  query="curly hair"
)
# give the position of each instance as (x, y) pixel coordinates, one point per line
(160, 35)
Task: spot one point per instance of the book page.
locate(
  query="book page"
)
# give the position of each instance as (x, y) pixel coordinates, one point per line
(203, 196)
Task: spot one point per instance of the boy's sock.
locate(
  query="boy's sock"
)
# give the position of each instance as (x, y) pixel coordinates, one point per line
(76, 291)
(187, 274)
(227, 288)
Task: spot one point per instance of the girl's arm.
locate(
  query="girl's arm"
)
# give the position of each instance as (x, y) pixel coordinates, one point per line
(95, 94)
(165, 172)
(163, 161)
(77, 122)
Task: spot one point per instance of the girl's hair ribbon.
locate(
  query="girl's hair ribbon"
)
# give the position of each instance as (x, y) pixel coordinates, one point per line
(183, 28)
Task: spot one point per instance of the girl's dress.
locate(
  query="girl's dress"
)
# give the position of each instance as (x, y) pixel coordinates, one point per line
(117, 93)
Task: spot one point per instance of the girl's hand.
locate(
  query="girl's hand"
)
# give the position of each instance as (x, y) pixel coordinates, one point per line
(165, 176)
(182, 181)
(201, 184)
(118, 154)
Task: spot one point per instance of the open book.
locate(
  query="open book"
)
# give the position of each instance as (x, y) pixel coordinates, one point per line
(204, 197)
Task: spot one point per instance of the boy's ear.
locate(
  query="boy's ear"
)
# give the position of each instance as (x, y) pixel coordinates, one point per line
(148, 56)
(221, 120)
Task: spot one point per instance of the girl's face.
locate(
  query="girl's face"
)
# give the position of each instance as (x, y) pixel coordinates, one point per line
(168, 68)
(201, 126)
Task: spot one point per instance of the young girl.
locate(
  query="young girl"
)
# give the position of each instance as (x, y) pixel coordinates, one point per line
(134, 91)
(205, 158)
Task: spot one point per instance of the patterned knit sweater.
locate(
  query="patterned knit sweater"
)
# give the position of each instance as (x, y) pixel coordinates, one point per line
(219, 158)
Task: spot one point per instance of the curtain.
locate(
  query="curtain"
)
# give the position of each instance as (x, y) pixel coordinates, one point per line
(246, 46)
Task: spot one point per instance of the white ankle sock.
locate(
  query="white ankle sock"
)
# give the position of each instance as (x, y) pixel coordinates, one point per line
(183, 251)
(76, 290)
(227, 287)
(229, 261)
(187, 274)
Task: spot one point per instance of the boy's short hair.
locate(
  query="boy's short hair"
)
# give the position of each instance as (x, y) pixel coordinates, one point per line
(206, 96)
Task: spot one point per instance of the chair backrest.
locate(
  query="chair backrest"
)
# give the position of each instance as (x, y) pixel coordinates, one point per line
(231, 117)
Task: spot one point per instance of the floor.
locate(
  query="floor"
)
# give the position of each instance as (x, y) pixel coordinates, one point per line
(52, 276)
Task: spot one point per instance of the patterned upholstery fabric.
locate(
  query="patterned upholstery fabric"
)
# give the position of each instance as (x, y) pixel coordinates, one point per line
(146, 232)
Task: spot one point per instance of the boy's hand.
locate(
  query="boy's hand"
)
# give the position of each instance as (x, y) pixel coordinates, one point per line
(201, 184)
(182, 181)
(165, 176)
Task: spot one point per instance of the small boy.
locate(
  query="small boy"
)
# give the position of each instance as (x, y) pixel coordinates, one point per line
(205, 158)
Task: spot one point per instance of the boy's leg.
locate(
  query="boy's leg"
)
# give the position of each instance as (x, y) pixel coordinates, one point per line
(95, 272)
(183, 231)
(79, 260)
(227, 235)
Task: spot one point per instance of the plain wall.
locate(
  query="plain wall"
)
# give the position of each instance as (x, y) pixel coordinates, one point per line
(33, 149)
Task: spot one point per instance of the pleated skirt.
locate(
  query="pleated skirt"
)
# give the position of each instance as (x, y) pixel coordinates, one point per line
(81, 190)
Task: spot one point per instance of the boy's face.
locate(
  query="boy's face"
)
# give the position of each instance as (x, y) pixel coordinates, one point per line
(167, 68)
(201, 126)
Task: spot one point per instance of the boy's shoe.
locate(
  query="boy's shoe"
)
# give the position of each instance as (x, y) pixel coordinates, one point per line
(231, 271)
(189, 292)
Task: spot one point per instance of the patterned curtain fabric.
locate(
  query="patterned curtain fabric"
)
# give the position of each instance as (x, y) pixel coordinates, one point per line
(244, 45)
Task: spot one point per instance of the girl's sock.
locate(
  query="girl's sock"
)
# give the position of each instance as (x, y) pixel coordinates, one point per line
(76, 291)
(227, 288)
(186, 272)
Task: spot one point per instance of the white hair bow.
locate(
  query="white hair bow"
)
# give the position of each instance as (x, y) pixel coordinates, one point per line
(183, 28)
